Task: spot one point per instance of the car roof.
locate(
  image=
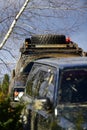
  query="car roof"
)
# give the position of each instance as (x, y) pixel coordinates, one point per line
(64, 62)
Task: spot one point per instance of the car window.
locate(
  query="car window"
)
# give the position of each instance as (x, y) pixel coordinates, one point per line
(20, 81)
(47, 86)
(41, 82)
(32, 80)
(73, 86)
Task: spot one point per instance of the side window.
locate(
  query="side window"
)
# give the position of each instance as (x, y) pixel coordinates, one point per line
(73, 86)
(41, 82)
(32, 80)
(37, 82)
(65, 87)
(46, 88)
(35, 79)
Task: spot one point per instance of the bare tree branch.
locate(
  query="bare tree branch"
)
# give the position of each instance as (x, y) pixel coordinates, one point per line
(14, 23)
(9, 52)
(8, 68)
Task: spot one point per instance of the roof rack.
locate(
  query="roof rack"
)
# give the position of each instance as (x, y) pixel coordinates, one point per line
(50, 44)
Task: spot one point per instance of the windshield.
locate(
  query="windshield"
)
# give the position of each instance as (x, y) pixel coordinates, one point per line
(20, 80)
(19, 83)
(73, 86)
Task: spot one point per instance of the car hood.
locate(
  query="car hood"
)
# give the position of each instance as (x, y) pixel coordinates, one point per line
(75, 114)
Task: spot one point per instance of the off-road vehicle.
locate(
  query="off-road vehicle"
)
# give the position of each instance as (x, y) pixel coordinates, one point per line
(37, 47)
(56, 95)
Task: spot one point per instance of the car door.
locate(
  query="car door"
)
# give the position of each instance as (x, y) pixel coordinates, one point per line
(46, 90)
(41, 86)
(72, 101)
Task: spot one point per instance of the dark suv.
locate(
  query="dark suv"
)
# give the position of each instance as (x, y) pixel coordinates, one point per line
(56, 95)
(37, 47)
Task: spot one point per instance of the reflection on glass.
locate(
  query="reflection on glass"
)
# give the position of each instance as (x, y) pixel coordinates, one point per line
(74, 86)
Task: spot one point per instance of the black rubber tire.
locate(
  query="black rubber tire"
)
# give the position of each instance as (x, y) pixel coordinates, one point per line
(48, 39)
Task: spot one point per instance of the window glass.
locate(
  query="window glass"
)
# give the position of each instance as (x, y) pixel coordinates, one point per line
(47, 85)
(20, 80)
(41, 82)
(73, 86)
(32, 80)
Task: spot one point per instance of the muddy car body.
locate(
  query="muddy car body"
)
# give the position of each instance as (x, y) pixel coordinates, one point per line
(56, 93)
(42, 46)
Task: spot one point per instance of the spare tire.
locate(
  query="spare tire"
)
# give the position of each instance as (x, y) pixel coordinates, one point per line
(48, 39)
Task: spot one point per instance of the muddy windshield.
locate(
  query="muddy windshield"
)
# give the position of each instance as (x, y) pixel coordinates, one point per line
(20, 81)
(73, 86)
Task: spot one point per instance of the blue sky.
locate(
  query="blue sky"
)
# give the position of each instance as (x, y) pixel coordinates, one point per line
(80, 37)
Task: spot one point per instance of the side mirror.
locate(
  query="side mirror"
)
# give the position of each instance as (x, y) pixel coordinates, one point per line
(42, 103)
(37, 104)
(26, 99)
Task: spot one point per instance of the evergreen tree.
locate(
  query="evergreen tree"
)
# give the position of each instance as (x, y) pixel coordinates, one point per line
(9, 116)
(5, 84)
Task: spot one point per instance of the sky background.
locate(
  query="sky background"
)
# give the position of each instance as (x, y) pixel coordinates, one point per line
(80, 35)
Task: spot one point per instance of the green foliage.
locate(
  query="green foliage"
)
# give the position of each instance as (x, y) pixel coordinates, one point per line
(10, 117)
(79, 121)
(54, 126)
(2, 96)
(5, 84)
